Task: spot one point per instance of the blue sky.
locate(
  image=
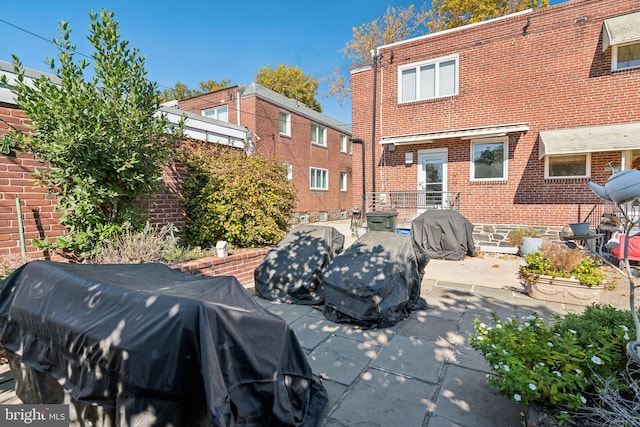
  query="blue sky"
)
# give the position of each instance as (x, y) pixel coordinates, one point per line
(193, 41)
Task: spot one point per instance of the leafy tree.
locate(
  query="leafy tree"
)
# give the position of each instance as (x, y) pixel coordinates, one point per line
(290, 82)
(178, 91)
(181, 91)
(214, 85)
(446, 14)
(101, 139)
(217, 176)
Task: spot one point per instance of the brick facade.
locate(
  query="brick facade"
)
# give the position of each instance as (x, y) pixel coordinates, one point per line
(545, 68)
(261, 116)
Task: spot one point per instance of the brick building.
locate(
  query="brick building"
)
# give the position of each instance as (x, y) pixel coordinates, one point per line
(514, 114)
(315, 148)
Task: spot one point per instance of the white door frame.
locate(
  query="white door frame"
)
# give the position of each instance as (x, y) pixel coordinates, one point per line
(435, 154)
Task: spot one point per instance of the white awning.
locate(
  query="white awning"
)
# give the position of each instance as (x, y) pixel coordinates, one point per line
(467, 133)
(621, 29)
(590, 139)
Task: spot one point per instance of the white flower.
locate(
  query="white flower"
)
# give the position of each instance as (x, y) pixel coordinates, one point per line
(479, 337)
(495, 367)
(626, 336)
(533, 387)
(498, 326)
(624, 328)
(482, 325)
(595, 359)
(520, 328)
(572, 331)
(549, 343)
(506, 368)
(493, 346)
(527, 324)
(517, 397)
(578, 371)
(584, 401)
(540, 363)
(557, 373)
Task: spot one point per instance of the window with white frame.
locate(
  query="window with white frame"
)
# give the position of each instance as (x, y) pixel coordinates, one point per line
(318, 135)
(429, 79)
(625, 56)
(219, 113)
(568, 166)
(489, 159)
(284, 124)
(343, 181)
(289, 168)
(343, 143)
(318, 179)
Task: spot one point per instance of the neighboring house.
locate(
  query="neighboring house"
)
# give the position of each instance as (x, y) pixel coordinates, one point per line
(315, 148)
(514, 115)
(21, 203)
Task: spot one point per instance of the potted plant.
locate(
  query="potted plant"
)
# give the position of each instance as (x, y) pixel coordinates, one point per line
(528, 240)
(557, 273)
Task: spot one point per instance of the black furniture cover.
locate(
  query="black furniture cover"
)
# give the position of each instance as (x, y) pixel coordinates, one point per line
(443, 234)
(152, 346)
(291, 272)
(375, 282)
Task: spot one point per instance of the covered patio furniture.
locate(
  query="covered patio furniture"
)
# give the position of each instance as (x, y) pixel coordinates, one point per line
(443, 234)
(292, 271)
(375, 282)
(146, 345)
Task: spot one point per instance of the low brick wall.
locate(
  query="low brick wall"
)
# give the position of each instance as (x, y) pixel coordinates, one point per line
(240, 263)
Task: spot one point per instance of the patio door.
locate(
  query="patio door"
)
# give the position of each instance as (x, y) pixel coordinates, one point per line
(432, 179)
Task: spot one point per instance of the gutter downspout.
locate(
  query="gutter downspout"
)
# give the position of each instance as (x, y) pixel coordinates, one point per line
(376, 58)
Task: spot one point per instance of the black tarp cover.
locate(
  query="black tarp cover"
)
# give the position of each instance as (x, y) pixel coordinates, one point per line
(443, 234)
(150, 344)
(375, 282)
(292, 271)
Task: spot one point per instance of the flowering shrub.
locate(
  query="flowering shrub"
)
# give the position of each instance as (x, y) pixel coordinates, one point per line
(553, 364)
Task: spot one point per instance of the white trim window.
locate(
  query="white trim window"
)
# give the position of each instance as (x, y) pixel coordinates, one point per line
(429, 79)
(218, 113)
(289, 168)
(343, 181)
(576, 165)
(343, 143)
(318, 135)
(489, 158)
(318, 179)
(625, 56)
(284, 123)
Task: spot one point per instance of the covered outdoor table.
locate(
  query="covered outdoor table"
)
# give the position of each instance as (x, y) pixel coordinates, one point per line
(291, 272)
(146, 345)
(443, 234)
(375, 282)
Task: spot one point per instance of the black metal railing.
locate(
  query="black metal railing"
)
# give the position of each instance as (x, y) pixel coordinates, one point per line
(409, 204)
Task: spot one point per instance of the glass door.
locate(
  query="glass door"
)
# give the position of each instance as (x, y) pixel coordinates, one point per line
(432, 180)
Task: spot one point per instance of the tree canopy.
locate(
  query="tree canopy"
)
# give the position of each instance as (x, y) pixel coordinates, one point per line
(181, 91)
(102, 138)
(292, 83)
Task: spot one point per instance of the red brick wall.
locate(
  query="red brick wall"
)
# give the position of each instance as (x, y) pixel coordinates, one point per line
(240, 264)
(554, 76)
(221, 97)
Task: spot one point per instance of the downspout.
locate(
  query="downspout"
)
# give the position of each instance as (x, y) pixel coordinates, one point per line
(238, 106)
(376, 57)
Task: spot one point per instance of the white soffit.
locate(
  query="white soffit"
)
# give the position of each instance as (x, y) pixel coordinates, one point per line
(620, 30)
(466, 133)
(590, 139)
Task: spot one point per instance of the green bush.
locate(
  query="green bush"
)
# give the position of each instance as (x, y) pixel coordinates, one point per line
(561, 363)
(245, 200)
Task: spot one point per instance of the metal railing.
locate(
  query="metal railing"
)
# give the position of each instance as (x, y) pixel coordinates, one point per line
(410, 204)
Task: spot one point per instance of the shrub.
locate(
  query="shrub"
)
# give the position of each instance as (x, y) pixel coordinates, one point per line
(245, 200)
(558, 364)
(560, 261)
(131, 246)
(516, 236)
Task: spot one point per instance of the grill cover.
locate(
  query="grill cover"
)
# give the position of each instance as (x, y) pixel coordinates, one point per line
(375, 282)
(292, 271)
(443, 234)
(148, 345)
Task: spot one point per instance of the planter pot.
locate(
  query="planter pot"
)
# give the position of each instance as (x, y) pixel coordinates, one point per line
(530, 245)
(580, 228)
(563, 290)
